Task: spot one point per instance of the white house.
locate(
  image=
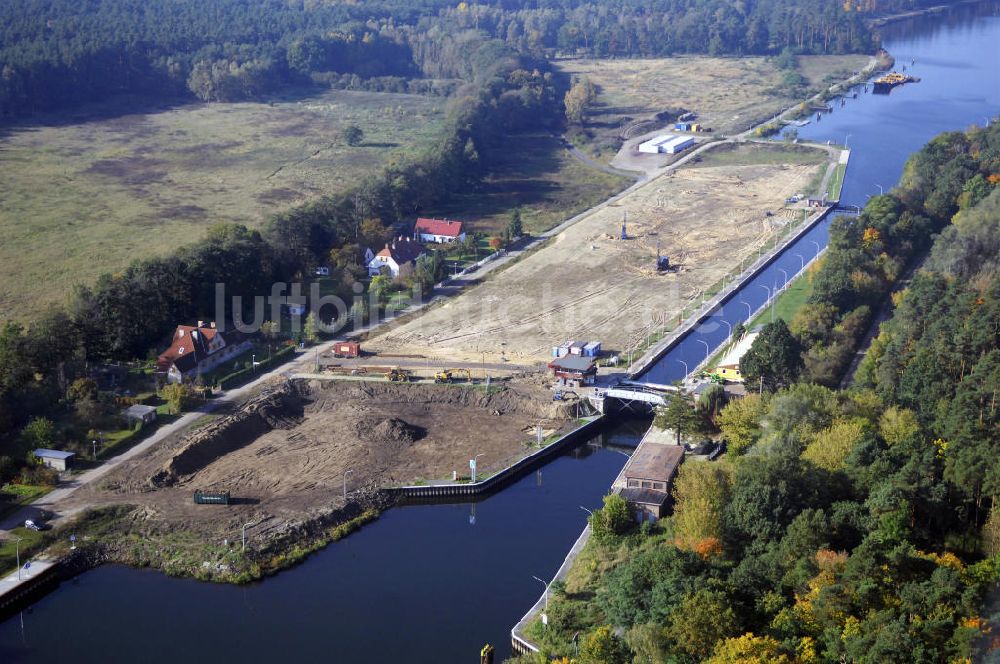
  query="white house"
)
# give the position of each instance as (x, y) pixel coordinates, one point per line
(398, 257)
(440, 231)
(196, 350)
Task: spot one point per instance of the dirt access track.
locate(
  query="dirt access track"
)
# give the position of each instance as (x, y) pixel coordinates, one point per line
(284, 452)
(588, 284)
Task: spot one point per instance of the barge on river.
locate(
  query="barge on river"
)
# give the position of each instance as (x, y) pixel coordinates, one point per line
(885, 84)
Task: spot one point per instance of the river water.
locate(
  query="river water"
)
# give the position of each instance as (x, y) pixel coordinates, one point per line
(425, 583)
(435, 583)
(957, 57)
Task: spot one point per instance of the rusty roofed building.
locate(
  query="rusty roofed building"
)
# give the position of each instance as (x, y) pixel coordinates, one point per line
(646, 479)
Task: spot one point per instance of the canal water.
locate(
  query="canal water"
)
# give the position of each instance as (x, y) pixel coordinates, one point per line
(426, 583)
(434, 583)
(956, 56)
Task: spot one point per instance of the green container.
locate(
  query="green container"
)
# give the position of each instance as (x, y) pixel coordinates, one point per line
(211, 497)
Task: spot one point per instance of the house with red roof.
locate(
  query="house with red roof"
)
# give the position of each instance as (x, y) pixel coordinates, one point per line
(197, 349)
(440, 231)
(398, 257)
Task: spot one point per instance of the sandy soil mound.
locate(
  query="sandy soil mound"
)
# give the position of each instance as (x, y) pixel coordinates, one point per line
(278, 407)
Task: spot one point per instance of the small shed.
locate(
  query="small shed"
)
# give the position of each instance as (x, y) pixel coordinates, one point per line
(346, 349)
(573, 370)
(648, 504)
(55, 459)
(592, 349)
(140, 413)
(576, 347)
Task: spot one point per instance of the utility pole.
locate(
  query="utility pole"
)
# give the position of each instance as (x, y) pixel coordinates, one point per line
(346, 473)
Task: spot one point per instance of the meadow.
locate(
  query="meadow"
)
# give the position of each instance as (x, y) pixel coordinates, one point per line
(89, 191)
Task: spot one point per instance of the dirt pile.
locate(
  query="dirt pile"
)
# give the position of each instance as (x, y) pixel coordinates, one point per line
(278, 407)
(389, 432)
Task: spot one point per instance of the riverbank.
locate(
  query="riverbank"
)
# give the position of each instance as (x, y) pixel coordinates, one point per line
(137, 534)
(928, 11)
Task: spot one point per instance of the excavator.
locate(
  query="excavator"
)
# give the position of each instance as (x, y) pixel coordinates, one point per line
(398, 375)
(450, 375)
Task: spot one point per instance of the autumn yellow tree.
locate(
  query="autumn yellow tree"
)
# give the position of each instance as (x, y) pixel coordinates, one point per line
(748, 649)
(580, 96)
(830, 447)
(700, 492)
(740, 422)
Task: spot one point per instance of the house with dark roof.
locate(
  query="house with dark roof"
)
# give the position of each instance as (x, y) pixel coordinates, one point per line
(573, 370)
(398, 257)
(646, 479)
(197, 349)
(440, 231)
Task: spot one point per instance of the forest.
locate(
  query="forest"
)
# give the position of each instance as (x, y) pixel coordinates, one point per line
(58, 53)
(856, 525)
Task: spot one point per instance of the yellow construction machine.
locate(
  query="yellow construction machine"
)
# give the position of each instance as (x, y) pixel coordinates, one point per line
(450, 375)
(398, 375)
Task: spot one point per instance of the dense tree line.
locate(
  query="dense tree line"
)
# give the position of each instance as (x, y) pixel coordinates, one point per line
(868, 254)
(854, 525)
(59, 53)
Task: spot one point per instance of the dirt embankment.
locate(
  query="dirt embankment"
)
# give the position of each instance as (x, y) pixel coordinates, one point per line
(278, 407)
(286, 455)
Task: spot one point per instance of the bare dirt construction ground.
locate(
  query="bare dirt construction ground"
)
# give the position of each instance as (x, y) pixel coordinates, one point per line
(283, 455)
(727, 94)
(87, 192)
(589, 284)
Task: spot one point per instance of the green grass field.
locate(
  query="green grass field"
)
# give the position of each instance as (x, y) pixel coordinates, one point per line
(786, 306)
(88, 192)
(538, 176)
(733, 154)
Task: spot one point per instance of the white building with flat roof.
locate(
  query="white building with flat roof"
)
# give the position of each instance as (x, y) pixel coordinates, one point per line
(666, 143)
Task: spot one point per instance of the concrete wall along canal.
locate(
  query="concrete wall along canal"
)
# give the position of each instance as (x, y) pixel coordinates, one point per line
(645, 368)
(447, 490)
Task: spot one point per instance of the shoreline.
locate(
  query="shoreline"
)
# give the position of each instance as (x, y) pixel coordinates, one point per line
(916, 13)
(278, 554)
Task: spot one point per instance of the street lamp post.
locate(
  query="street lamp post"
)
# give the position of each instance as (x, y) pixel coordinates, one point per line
(728, 326)
(244, 534)
(346, 473)
(546, 590)
(686, 372)
(749, 310)
(590, 512)
(94, 443)
(253, 364)
(802, 261)
(782, 271)
(474, 464)
(818, 248)
(17, 550)
(708, 349)
(880, 192)
(770, 300)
